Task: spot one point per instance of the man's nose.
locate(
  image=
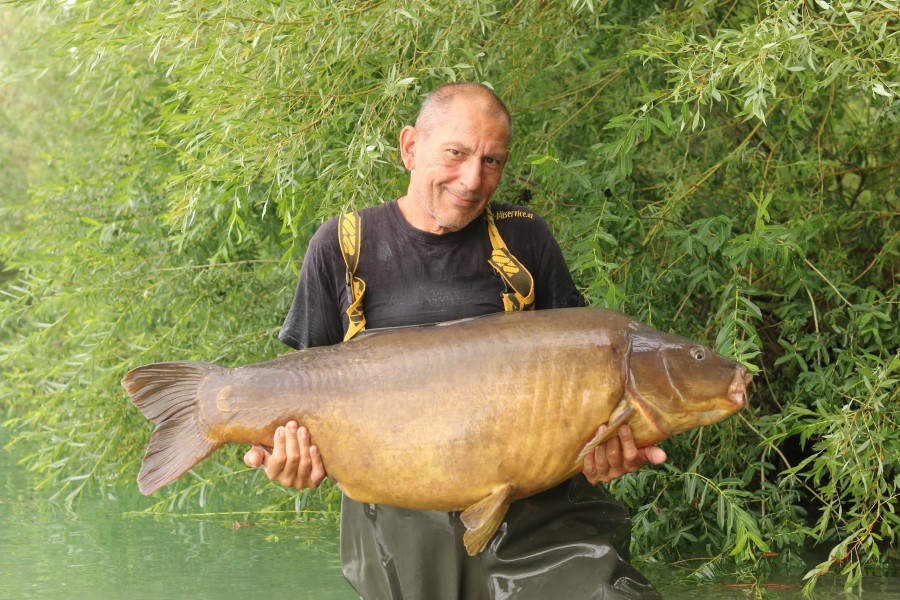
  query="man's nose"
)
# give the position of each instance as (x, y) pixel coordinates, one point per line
(470, 173)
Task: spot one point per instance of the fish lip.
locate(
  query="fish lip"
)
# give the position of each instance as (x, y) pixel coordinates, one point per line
(737, 391)
(737, 398)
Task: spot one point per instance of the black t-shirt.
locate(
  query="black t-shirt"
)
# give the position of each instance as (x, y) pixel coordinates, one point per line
(414, 277)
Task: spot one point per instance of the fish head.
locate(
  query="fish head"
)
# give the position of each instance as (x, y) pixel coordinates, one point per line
(675, 384)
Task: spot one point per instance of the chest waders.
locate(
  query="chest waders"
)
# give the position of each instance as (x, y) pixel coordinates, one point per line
(518, 282)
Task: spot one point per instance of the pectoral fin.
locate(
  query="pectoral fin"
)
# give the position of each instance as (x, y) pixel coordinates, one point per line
(483, 518)
(617, 419)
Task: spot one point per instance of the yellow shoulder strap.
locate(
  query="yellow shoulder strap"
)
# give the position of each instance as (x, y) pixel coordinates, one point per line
(514, 273)
(349, 231)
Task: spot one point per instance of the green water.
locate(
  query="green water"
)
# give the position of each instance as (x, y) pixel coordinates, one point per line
(103, 548)
(97, 553)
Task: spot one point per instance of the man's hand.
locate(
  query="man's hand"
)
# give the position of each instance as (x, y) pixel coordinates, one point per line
(619, 456)
(293, 462)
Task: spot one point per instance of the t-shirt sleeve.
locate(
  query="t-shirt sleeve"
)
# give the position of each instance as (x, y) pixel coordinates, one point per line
(554, 287)
(314, 318)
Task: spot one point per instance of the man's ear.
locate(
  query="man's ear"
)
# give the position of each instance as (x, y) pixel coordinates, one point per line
(409, 136)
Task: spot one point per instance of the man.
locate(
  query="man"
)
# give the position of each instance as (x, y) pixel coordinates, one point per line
(424, 258)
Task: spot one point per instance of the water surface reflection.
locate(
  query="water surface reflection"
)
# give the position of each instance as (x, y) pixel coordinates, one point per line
(101, 549)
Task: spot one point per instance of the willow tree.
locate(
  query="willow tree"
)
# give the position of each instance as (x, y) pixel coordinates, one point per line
(726, 170)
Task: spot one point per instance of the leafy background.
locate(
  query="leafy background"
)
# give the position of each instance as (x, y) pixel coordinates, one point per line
(724, 169)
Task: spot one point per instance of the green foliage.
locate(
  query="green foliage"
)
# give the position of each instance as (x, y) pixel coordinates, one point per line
(724, 170)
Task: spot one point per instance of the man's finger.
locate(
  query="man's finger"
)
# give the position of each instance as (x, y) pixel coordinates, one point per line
(612, 452)
(318, 469)
(595, 466)
(275, 464)
(589, 468)
(303, 446)
(632, 458)
(288, 475)
(256, 457)
(654, 455)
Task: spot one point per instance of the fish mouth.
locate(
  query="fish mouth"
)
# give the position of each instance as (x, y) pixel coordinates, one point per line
(737, 391)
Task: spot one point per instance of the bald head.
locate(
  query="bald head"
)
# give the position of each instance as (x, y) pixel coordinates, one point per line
(437, 104)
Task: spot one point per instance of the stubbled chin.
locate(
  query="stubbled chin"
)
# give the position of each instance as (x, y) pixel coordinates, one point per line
(457, 219)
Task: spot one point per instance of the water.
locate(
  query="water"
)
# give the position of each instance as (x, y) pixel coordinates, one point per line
(779, 586)
(103, 549)
(99, 554)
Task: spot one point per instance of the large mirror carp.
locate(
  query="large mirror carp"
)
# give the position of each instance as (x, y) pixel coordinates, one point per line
(466, 416)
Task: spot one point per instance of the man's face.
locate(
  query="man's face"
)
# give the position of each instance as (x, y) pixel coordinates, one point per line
(455, 166)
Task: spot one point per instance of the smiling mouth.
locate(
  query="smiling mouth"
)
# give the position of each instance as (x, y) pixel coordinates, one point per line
(464, 198)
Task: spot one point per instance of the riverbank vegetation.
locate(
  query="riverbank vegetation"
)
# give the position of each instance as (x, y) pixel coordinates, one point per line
(727, 170)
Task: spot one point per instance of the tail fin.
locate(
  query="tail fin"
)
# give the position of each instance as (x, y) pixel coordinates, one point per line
(167, 395)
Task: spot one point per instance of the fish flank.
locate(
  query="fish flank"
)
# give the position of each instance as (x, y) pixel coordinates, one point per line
(547, 386)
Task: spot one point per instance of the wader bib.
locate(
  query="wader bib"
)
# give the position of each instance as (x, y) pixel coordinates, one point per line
(570, 541)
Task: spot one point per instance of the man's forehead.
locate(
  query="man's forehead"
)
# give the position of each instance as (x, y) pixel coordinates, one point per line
(492, 134)
(474, 117)
(469, 133)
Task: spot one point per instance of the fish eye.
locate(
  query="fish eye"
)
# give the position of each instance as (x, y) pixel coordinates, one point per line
(698, 353)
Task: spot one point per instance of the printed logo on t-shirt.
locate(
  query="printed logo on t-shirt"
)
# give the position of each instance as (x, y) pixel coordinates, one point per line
(506, 214)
